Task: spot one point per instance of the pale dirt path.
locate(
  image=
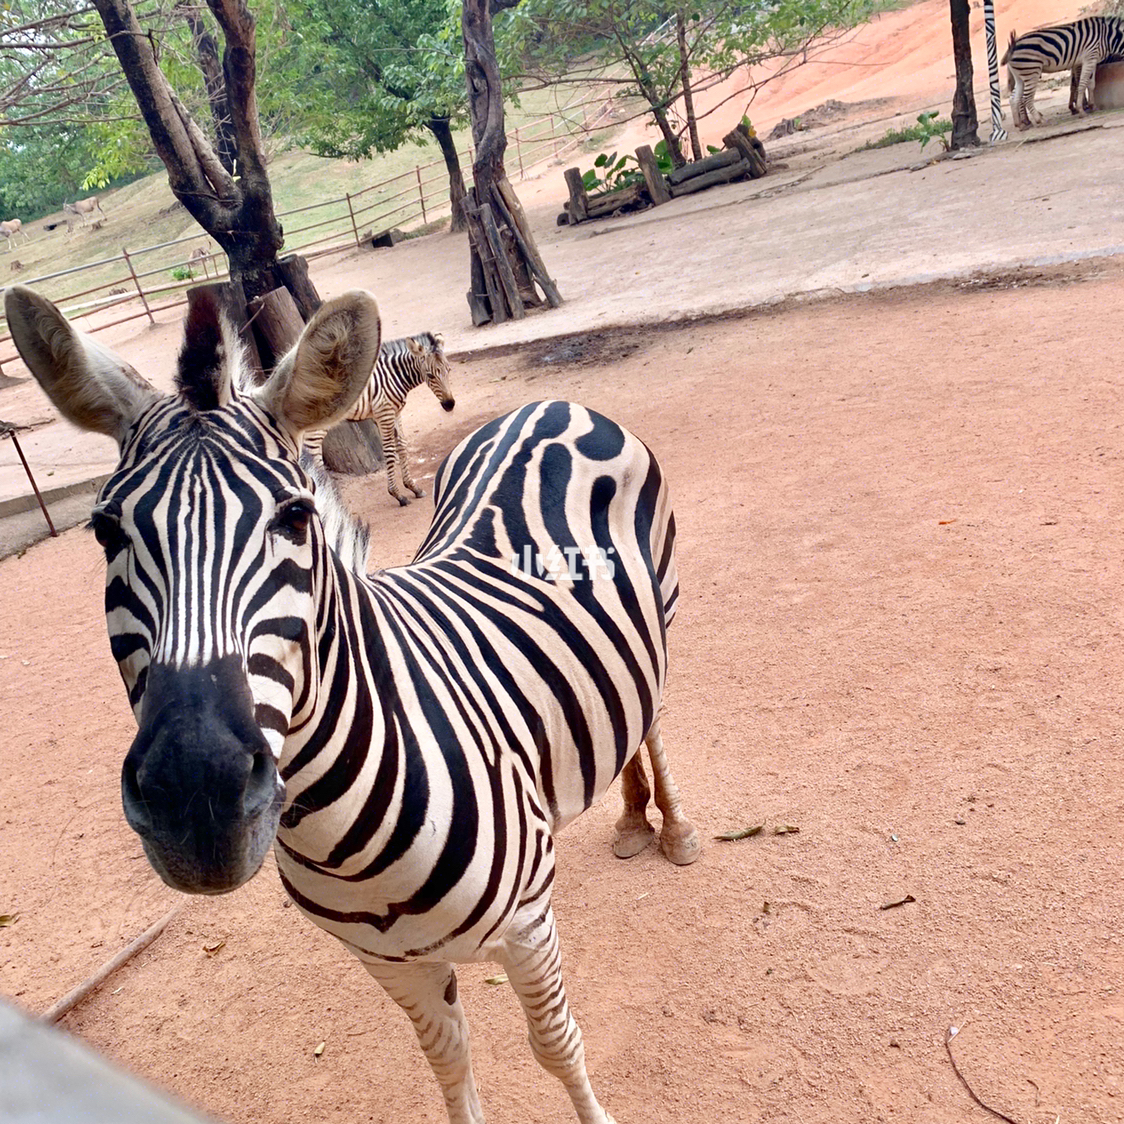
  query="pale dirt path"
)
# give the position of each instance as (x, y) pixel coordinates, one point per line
(899, 521)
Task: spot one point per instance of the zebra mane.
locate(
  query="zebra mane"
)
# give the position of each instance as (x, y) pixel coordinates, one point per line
(212, 367)
(429, 341)
(348, 536)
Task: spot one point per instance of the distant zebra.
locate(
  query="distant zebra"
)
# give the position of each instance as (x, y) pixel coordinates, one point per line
(413, 739)
(402, 365)
(1081, 44)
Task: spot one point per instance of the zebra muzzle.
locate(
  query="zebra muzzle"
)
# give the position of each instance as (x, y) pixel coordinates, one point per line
(199, 784)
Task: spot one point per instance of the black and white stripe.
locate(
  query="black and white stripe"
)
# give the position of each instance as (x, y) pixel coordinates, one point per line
(413, 739)
(1080, 45)
(402, 365)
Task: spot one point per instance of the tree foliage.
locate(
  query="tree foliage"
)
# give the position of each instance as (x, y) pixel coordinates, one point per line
(662, 54)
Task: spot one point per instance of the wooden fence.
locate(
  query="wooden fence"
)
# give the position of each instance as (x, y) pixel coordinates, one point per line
(143, 282)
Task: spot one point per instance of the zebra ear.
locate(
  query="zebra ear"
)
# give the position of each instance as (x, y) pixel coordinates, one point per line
(90, 385)
(315, 385)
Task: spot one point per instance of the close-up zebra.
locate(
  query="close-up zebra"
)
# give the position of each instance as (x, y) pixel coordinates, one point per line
(1078, 46)
(401, 366)
(412, 740)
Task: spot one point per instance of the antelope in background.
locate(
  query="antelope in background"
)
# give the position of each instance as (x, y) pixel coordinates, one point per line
(11, 229)
(81, 211)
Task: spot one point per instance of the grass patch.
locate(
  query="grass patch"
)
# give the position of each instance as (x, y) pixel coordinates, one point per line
(928, 127)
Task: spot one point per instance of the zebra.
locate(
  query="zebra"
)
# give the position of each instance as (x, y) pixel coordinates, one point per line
(402, 365)
(410, 741)
(1081, 44)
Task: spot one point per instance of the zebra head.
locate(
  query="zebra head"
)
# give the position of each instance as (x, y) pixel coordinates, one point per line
(214, 551)
(429, 354)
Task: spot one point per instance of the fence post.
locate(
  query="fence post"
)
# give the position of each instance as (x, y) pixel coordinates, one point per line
(354, 228)
(553, 135)
(519, 153)
(421, 193)
(136, 282)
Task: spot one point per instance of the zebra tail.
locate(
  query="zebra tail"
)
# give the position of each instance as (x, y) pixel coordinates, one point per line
(1007, 52)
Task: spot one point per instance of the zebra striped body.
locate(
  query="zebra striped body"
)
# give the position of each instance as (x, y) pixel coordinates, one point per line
(413, 739)
(402, 365)
(1080, 45)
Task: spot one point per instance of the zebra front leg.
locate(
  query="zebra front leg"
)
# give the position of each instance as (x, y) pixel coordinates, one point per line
(533, 963)
(404, 458)
(633, 831)
(679, 838)
(1088, 85)
(428, 994)
(388, 434)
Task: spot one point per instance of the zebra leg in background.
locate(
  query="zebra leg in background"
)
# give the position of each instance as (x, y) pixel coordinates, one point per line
(1087, 85)
(428, 994)
(388, 434)
(404, 459)
(998, 133)
(1030, 85)
(679, 839)
(634, 832)
(533, 963)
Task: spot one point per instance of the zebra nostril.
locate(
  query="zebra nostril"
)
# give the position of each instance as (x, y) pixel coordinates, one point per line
(136, 807)
(448, 404)
(261, 786)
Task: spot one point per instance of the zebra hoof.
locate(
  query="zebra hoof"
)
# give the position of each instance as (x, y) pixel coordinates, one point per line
(632, 840)
(419, 492)
(680, 843)
(402, 501)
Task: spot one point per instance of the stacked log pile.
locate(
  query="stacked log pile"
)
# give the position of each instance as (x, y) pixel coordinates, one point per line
(742, 158)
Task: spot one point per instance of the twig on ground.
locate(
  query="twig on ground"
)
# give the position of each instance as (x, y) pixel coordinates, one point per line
(72, 998)
(953, 1031)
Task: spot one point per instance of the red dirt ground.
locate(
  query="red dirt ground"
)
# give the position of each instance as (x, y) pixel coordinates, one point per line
(900, 631)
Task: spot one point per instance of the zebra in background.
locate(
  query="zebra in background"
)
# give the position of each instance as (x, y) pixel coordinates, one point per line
(1081, 45)
(412, 740)
(402, 365)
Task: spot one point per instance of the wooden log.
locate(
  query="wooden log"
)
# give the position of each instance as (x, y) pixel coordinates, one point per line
(232, 300)
(600, 205)
(485, 280)
(277, 324)
(578, 198)
(503, 266)
(711, 179)
(701, 167)
(512, 213)
(354, 448)
(653, 177)
(751, 148)
(294, 272)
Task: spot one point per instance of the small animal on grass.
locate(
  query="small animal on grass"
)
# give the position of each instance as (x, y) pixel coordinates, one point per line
(12, 229)
(16, 266)
(411, 741)
(201, 258)
(81, 212)
(1079, 46)
(402, 365)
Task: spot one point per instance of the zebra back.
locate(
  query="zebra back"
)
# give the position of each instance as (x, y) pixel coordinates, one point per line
(1050, 49)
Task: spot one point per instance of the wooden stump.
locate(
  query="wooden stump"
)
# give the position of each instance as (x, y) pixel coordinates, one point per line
(354, 448)
(653, 177)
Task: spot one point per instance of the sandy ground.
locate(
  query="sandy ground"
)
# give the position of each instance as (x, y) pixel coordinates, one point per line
(900, 632)
(899, 518)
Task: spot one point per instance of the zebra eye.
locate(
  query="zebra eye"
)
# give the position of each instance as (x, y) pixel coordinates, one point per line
(107, 530)
(292, 520)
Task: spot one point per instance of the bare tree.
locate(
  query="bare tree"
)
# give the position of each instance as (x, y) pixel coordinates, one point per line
(505, 264)
(964, 122)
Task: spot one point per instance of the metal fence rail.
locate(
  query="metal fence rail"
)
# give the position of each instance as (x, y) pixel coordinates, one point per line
(408, 200)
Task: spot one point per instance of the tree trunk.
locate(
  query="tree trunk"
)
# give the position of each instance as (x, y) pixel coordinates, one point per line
(502, 246)
(964, 122)
(439, 127)
(685, 80)
(207, 52)
(236, 212)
